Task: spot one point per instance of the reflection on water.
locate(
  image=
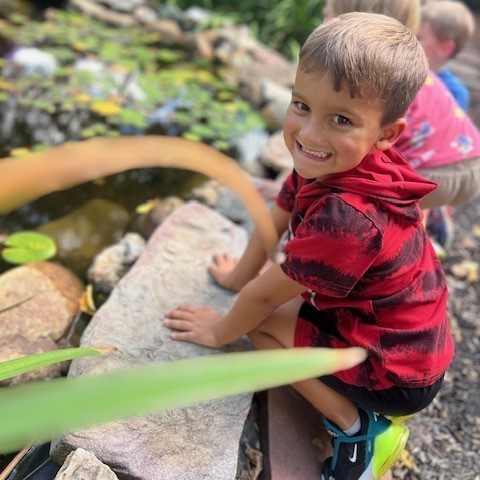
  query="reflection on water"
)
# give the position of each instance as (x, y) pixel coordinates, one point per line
(127, 189)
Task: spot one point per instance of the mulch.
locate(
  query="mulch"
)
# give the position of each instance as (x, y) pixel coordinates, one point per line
(444, 442)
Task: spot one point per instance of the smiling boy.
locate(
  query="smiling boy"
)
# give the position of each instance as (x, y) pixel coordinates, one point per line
(359, 269)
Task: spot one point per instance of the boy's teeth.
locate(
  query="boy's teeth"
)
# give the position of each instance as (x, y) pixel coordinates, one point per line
(316, 154)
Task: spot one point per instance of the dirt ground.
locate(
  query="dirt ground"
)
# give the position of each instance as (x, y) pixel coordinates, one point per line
(445, 438)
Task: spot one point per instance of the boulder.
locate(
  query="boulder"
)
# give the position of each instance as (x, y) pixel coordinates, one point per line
(198, 442)
(38, 301)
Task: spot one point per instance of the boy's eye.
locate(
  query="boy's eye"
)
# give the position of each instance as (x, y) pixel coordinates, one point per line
(341, 120)
(301, 106)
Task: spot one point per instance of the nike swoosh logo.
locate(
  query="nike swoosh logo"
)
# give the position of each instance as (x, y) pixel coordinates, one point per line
(353, 458)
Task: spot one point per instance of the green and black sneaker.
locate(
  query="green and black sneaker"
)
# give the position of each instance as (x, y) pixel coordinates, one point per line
(367, 455)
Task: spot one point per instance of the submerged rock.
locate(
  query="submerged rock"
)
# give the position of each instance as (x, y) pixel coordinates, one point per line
(85, 232)
(112, 263)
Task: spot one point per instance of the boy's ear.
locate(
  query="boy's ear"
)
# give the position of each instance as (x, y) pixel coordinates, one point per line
(447, 47)
(390, 134)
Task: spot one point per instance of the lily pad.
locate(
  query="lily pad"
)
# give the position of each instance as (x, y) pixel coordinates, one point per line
(25, 247)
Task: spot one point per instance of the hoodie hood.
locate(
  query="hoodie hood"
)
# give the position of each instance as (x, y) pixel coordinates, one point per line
(387, 177)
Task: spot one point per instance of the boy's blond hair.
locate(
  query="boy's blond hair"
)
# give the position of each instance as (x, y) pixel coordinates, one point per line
(449, 21)
(374, 56)
(407, 12)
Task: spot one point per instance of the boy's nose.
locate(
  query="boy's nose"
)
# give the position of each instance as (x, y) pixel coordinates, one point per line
(310, 133)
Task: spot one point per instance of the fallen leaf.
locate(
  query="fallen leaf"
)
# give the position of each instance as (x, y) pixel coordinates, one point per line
(467, 269)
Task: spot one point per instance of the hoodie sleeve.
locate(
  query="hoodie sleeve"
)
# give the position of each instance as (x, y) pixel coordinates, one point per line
(332, 248)
(286, 197)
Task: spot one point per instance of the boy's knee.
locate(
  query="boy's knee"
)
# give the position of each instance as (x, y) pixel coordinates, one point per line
(256, 332)
(262, 338)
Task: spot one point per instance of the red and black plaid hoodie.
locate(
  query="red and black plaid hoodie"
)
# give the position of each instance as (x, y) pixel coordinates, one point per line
(357, 242)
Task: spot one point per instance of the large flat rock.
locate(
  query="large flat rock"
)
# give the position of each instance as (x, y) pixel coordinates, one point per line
(199, 442)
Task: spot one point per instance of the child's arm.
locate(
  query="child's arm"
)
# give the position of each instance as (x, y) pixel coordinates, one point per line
(259, 298)
(233, 275)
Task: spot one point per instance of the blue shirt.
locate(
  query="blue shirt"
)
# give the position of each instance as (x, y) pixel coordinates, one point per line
(458, 90)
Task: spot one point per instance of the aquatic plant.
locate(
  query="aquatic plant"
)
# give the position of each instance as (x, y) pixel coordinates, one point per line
(109, 80)
(25, 247)
(17, 366)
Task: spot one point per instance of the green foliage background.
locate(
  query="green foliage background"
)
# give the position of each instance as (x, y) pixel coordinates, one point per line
(281, 24)
(206, 108)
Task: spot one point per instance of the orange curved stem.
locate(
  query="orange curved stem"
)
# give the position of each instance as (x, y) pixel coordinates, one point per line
(31, 176)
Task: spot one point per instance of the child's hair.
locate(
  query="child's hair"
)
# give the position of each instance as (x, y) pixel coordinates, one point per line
(449, 20)
(374, 56)
(407, 12)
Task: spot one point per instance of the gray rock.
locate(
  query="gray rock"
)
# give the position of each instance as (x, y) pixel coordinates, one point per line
(112, 263)
(121, 5)
(229, 204)
(276, 155)
(82, 465)
(197, 15)
(277, 98)
(198, 442)
(145, 14)
(249, 147)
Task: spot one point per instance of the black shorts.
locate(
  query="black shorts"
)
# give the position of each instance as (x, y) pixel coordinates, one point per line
(395, 401)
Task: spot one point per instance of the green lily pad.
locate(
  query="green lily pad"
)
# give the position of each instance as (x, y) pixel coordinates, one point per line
(25, 247)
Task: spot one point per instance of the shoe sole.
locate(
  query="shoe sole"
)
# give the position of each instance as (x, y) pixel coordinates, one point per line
(382, 462)
(400, 420)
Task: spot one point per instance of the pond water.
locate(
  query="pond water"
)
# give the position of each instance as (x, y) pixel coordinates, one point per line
(127, 189)
(36, 465)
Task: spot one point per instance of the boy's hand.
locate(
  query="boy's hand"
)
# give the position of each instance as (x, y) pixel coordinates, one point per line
(194, 324)
(223, 265)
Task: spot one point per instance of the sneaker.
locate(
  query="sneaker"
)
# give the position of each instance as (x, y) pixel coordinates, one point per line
(440, 225)
(439, 250)
(367, 455)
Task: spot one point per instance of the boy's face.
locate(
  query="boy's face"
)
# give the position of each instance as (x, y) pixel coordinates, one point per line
(437, 52)
(329, 132)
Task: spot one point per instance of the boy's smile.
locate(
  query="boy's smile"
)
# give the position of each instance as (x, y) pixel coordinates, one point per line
(329, 132)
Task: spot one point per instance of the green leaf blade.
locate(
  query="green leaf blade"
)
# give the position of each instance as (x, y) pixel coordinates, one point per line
(46, 410)
(17, 366)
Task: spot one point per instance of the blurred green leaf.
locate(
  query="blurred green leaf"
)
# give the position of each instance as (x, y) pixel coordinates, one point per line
(38, 412)
(25, 247)
(17, 366)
